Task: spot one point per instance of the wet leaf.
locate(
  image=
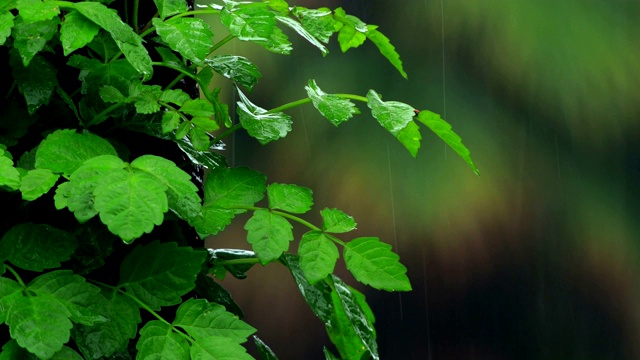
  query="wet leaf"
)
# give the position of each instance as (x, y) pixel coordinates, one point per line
(410, 137)
(159, 341)
(202, 319)
(352, 31)
(170, 7)
(385, 47)
(214, 292)
(261, 124)
(30, 38)
(317, 296)
(236, 68)
(265, 351)
(318, 22)
(318, 256)
(191, 37)
(216, 347)
(373, 263)
(334, 108)
(297, 27)
(392, 115)
(36, 82)
(336, 221)
(6, 24)
(36, 10)
(36, 183)
(269, 235)
(290, 198)
(76, 31)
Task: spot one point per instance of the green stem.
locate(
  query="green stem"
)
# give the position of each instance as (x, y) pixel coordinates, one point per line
(221, 42)
(196, 12)
(238, 261)
(148, 27)
(296, 219)
(15, 274)
(182, 71)
(229, 131)
(103, 114)
(308, 100)
(353, 97)
(13, 86)
(135, 15)
(335, 239)
(175, 81)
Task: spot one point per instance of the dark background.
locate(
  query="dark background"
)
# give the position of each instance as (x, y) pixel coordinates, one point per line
(538, 257)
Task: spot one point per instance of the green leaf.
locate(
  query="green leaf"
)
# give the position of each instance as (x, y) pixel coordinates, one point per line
(205, 124)
(64, 151)
(170, 7)
(40, 324)
(169, 57)
(234, 188)
(268, 234)
(385, 47)
(336, 221)
(328, 355)
(110, 94)
(36, 10)
(76, 31)
(67, 99)
(261, 124)
(297, 27)
(291, 198)
(104, 339)
(318, 22)
(191, 37)
(79, 191)
(214, 292)
(37, 247)
(236, 68)
(373, 263)
(127, 40)
(168, 273)
(202, 319)
(213, 220)
(392, 115)
(170, 121)
(218, 348)
(239, 271)
(280, 6)
(443, 129)
(36, 82)
(350, 328)
(72, 292)
(410, 137)
(199, 139)
(182, 194)
(146, 97)
(352, 32)
(9, 175)
(30, 38)
(10, 292)
(207, 159)
(265, 351)
(6, 24)
(317, 296)
(197, 107)
(334, 108)
(318, 256)
(159, 341)
(130, 203)
(175, 96)
(37, 183)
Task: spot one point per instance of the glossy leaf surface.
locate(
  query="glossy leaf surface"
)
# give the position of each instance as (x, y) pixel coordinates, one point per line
(269, 235)
(290, 198)
(373, 263)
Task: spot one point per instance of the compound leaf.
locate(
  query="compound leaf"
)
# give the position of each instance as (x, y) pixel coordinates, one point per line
(182, 194)
(236, 68)
(159, 341)
(36, 183)
(385, 47)
(160, 273)
(336, 221)
(332, 107)
(76, 31)
(190, 37)
(352, 30)
(318, 256)
(170, 7)
(37, 247)
(202, 319)
(248, 21)
(373, 263)
(130, 203)
(392, 115)
(64, 151)
(261, 124)
(269, 235)
(443, 129)
(291, 198)
(318, 22)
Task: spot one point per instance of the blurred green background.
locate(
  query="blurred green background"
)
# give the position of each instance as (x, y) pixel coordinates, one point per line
(537, 258)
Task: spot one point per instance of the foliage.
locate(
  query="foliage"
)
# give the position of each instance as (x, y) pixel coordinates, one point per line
(62, 146)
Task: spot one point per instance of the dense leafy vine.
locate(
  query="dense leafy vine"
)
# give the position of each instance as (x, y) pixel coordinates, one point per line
(53, 299)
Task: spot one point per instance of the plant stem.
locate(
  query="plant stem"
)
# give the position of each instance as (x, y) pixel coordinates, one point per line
(182, 71)
(13, 86)
(296, 219)
(196, 12)
(238, 261)
(221, 42)
(175, 81)
(229, 131)
(103, 114)
(308, 100)
(15, 274)
(135, 15)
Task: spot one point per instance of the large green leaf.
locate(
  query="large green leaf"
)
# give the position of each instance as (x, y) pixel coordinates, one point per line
(36, 82)
(212, 220)
(385, 47)
(297, 27)
(202, 319)
(181, 192)
(30, 38)
(269, 235)
(318, 22)
(352, 30)
(9, 175)
(6, 24)
(190, 37)
(373, 263)
(104, 339)
(236, 68)
(170, 7)
(234, 187)
(127, 40)
(12, 351)
(443, 129)
(37, 247)
(392, 115)
(336, 221)
(291, 198)
(130, 203)
(168, 273)
(76, 31)
(37, 10)
(318, 256)
(334, 108)
(159, 341)
(10, 292)
(64, 151)
(261, 124)
(36, 183)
